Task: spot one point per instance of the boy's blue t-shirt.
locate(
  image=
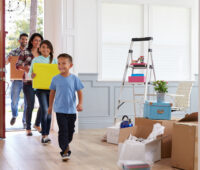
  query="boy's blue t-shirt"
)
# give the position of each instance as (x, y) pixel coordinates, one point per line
(65, 98)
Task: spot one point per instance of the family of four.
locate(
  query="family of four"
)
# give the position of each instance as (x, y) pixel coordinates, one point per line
(61, 96)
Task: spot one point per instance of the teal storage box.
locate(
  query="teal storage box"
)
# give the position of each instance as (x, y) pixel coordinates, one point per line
(157, 111)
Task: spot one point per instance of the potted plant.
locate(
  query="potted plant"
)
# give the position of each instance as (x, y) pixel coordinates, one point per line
(161, 88)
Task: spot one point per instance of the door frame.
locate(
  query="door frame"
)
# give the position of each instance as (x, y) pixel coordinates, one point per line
(2, 69)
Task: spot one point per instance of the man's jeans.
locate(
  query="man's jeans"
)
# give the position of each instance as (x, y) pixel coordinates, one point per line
(16, 88)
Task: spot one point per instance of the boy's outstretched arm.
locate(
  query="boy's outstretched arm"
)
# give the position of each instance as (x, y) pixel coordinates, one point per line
(51, 99)
(79, 107)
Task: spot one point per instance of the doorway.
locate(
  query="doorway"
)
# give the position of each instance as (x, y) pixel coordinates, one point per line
(18, 15)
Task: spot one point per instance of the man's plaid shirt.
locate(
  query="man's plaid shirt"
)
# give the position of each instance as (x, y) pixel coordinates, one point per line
(15, 52)
(25, 59)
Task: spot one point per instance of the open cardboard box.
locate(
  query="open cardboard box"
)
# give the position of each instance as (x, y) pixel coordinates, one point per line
(166, 142)
(147, 152)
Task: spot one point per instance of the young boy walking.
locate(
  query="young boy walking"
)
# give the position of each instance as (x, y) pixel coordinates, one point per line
(63, 88)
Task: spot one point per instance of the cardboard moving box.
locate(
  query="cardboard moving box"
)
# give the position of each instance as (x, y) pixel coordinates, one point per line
(166, 142)
(185, 146)
(14, 73)
(147, 152)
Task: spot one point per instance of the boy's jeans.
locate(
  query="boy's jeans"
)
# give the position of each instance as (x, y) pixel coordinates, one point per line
(15, 96)
(66, 125)
(43, 97)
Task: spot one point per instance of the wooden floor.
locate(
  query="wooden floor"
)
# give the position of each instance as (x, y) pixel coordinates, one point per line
(20, 152)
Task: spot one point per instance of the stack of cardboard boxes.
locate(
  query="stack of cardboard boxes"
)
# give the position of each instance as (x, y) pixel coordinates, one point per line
(179, 141)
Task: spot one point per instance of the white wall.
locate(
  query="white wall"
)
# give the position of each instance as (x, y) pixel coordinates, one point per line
(86, 35)
(52, 24)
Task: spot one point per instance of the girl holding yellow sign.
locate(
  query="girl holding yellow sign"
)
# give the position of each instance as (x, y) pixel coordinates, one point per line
(46, 51)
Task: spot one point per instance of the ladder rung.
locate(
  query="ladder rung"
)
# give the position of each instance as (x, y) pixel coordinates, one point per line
(142, 39)
(139, 67)
(133, 67)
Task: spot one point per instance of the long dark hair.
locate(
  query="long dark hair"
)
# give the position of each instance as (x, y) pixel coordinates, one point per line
(50, 46)
(30, 45)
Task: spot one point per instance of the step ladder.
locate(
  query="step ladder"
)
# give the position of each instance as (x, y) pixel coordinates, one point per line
(149, 67)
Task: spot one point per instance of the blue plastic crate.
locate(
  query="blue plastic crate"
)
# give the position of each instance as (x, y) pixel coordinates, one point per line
(157, 111)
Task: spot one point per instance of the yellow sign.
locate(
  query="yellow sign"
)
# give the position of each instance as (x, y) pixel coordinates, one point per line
(44, 74)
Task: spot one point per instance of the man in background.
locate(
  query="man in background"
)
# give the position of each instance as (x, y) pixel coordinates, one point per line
(17, 85)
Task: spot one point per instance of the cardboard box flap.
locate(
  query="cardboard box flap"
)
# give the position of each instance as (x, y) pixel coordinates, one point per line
(141, 132)
(138, 131)
(190, 117)
(168, 124)
(188, 123)
(125, 133)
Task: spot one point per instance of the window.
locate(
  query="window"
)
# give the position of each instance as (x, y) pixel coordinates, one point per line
(120, 22)
(169, 26)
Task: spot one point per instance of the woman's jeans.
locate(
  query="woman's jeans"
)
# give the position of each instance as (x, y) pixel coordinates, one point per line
(30, 98)
(43, 97)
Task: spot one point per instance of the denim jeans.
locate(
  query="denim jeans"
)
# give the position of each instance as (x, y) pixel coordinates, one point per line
(66, 125)
(43, 97)
(16, 88)
(38, 117)
(30, 98)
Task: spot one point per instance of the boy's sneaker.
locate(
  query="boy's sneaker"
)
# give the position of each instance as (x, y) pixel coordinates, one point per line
(45, 140)
(28, 133)
(49, 140)
(66, 156)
